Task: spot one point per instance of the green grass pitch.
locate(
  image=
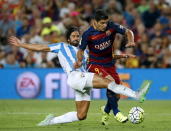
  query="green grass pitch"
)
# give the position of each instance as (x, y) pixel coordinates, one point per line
(23, 115)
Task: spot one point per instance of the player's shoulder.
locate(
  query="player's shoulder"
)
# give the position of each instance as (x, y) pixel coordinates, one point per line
(64, 44)
(88, 31)
(114, 25)
(69, 46)
(55, 47)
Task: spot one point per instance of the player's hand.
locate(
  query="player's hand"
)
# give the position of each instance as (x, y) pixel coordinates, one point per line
(128, 56)
(77, 64)
(130, 44)
(14, 41)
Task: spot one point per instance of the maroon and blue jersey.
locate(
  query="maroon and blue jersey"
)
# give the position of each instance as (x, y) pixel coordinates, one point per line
(100, 43)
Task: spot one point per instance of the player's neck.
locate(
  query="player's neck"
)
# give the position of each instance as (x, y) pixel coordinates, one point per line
(94, 25)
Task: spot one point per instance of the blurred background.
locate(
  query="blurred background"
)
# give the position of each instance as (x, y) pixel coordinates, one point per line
(45, 22)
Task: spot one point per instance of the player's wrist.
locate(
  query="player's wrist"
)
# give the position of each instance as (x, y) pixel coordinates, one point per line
(23, 45)
(125, 56)
(131, 43)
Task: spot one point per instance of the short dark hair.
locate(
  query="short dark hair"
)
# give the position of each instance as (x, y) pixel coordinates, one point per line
(100, 15)
(70, 30)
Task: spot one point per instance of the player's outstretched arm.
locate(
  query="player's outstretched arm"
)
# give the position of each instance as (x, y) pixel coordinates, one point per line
(35, 47)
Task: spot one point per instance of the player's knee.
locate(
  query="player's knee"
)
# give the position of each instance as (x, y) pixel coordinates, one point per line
(82, 116)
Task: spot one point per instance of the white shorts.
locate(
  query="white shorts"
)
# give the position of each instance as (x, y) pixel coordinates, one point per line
(81, 82)
(79, 96)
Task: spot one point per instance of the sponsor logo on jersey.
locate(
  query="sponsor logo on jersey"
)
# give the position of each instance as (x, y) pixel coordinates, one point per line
(103, 45)
(28, 85)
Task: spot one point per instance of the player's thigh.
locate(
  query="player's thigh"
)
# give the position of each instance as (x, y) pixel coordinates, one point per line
(76, 81)
(113, 74)
(98, 70)
(80, 80)
(100, 82)
(101, 71)
(108, 73)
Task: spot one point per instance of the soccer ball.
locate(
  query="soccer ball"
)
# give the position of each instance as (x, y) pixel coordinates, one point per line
(136, 115)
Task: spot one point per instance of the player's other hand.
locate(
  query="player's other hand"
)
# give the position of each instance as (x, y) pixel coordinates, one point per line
(129, 56)
(14, 41)
(77, 64)
(130, 44)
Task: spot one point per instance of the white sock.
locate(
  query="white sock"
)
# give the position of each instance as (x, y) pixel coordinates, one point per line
(66, 118)
(121, 89)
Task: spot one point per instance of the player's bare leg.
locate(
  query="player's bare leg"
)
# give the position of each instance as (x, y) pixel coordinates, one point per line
(82, 109)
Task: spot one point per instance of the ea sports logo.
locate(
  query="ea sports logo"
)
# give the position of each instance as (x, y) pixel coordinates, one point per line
(28, 85)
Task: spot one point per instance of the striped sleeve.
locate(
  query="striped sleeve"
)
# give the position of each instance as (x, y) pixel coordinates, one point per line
(86, 52)
(55, 47)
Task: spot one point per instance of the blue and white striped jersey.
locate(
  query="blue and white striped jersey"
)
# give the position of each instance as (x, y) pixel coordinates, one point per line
(67, 56)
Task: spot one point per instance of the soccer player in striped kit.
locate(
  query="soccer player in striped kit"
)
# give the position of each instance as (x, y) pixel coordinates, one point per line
(99, 39)
(79, 79)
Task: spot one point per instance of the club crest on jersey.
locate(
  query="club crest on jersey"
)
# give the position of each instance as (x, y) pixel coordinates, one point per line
(103, 45)
(82, 75)
(108, 32)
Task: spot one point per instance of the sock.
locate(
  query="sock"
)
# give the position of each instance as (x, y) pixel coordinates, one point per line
(120, 89)
(66, 118)
(107, 107)
(112, 102)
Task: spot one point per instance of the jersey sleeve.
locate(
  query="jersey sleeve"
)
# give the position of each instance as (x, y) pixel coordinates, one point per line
(86, 52)
(85, 59)
(55, 47)
(84, 41)
(118, 28)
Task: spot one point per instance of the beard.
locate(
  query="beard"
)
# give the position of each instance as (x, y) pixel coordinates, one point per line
(75, 42)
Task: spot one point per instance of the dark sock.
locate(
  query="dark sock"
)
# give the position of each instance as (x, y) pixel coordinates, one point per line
(112, 103)
(107, 107)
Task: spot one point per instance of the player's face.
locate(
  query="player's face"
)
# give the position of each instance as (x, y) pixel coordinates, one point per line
(74, 38)
(102, 24)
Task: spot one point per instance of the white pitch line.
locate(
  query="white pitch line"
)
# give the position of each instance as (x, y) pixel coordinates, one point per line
(23, 113)
(45, 113)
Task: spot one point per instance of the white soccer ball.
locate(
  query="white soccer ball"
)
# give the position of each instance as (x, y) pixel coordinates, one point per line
(136, 115)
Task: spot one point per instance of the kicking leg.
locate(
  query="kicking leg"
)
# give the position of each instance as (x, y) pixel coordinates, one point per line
(100, 82)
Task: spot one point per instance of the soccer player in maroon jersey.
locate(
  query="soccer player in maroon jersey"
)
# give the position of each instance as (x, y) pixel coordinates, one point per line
(99, 39)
